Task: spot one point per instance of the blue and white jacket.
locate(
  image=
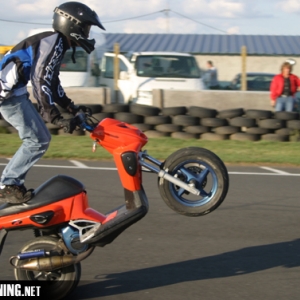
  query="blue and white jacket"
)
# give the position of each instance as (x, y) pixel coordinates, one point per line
(37, 58)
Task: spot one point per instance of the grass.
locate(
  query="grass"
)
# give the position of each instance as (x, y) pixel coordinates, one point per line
(235, 152)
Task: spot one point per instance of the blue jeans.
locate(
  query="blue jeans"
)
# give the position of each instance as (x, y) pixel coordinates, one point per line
(285, 104)
(21, 114)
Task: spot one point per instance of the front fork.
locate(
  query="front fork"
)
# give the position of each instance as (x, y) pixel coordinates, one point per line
(157, 167)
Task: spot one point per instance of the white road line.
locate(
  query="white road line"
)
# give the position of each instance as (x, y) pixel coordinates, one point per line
(115, 169)
(78, 164)
(263, 174)
(275, 171)
(70, 167)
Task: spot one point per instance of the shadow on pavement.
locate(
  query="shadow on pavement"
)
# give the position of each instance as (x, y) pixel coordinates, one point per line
(234, 263)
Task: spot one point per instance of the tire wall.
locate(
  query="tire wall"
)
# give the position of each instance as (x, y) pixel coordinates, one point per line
(193, 122)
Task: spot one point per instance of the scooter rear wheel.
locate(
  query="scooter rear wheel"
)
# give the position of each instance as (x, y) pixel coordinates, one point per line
(200, 168)
(61, 281)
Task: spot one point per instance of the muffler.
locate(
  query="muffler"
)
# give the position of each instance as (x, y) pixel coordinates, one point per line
(46, 264)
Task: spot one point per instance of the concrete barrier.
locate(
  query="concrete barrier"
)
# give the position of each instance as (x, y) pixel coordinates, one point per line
(219, 99)
(88, 95)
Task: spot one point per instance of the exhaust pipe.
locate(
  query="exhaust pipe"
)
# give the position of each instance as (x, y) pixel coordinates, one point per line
(48, 264)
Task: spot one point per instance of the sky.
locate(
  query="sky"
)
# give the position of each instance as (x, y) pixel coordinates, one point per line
(250, 17)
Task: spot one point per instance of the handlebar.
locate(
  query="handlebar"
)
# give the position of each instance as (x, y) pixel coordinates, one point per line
(81, 121)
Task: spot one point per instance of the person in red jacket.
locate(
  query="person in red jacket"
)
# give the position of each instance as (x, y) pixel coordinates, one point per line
(283, 89)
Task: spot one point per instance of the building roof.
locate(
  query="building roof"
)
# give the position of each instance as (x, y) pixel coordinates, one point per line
(207, 43)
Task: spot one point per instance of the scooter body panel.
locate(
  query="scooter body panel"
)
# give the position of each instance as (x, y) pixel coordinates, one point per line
(120, 138)
(63, 211)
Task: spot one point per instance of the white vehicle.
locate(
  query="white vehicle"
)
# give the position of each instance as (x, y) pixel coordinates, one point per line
(145, 71)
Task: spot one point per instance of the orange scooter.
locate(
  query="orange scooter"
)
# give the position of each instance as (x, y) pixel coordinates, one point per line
(192, 181)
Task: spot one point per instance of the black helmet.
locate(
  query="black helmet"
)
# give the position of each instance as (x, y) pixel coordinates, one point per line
(74, 20)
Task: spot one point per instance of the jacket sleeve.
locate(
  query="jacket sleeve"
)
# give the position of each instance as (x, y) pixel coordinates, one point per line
(273, 89)
(297, 81)
(45, 77)
(294, 84)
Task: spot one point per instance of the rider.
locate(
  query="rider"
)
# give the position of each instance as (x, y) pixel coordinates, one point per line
(38, 58)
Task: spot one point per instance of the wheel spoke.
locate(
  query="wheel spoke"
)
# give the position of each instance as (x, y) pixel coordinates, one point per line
(202, 176)
(53, 275)
(203, 193)
(47, 275)
(180, 192)
(189, 175)
(38, 275)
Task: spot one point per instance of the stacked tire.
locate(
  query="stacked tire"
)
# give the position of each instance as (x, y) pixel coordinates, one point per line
(192, 122)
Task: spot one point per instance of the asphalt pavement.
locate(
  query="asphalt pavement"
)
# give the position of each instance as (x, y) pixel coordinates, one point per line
(247, 249)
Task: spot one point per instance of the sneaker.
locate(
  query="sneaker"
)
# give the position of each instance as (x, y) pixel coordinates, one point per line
(14, 194)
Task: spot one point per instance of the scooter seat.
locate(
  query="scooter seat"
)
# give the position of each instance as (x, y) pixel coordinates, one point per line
(55, 189)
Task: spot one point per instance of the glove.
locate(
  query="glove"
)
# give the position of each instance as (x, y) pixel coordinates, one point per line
(69, 125)
(74, 109)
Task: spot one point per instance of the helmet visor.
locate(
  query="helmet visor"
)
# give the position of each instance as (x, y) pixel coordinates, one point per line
(98, 23)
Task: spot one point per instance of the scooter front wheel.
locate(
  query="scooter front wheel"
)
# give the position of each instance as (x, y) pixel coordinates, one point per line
(201, 169)
(61, 281)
